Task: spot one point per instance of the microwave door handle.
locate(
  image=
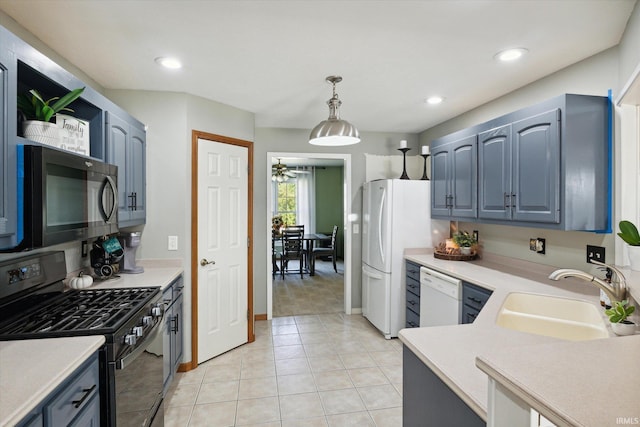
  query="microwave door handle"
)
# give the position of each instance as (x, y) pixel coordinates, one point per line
(114, 206)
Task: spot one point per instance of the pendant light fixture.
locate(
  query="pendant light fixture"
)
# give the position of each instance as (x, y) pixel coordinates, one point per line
(334, 131)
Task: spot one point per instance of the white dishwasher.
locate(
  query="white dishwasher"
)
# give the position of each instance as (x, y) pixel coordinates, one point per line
(440, 297)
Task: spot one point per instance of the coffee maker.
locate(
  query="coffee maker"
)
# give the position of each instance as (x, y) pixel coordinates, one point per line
(130, 242)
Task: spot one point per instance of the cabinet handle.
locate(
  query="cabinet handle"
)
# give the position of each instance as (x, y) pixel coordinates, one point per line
(476, 300)
(132, 201)
(507, 204)
(448, 203)
(412, 302)
(87, 393)
(413, 325)
(174, 320)
(513, 200)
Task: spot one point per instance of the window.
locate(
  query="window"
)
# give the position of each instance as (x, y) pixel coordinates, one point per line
(286, 202)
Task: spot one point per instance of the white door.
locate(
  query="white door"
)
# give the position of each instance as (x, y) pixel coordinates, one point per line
(222, 247)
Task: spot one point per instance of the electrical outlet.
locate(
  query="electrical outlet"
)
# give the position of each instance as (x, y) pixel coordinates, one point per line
(595, 253)
(172, 243)
(538, 245)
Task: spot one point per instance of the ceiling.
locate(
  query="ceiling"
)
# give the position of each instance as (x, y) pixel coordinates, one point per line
(271, 57)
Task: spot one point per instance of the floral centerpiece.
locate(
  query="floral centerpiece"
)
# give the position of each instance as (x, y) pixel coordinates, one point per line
(277, 223)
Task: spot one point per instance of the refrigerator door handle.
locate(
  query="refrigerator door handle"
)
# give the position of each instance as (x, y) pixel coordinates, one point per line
(380, 246)
(371, 274)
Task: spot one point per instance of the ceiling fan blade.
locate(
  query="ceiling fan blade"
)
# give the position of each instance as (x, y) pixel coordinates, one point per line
(298, 171)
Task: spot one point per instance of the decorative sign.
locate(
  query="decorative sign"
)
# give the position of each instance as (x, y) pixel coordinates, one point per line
(74, 134)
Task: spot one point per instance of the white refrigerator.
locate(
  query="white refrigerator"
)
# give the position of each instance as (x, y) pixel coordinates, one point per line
(396, 216)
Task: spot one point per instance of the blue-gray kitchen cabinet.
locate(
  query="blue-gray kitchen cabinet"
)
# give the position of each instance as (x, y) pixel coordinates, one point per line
(76, 402)
(412, 282)
(542, 166)
(8, 162)
(172, 347)
(428, 401)
(126, 148)
(23, 68)
(519, 170)
(454, 177)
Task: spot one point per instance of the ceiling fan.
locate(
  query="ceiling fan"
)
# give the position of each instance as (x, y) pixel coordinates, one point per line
(280, 172)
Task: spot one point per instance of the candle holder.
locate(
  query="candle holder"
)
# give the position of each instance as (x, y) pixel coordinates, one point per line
(424, 171)
(404, 163)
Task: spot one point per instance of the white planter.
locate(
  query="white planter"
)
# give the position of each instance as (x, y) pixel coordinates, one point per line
(465, 250)
(42, 132)
(634, 257)
(624, 328)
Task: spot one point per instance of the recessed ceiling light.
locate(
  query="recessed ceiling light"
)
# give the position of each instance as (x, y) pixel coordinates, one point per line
(168, 62)
(510, 54)
(434, 100)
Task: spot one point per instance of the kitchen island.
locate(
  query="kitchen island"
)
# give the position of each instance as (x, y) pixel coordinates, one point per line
(451, 352)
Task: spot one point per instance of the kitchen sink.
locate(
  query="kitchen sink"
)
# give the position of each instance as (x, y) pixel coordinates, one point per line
(552, 316)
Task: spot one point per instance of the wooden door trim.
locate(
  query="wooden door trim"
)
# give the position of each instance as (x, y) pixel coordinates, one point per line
(195, 135)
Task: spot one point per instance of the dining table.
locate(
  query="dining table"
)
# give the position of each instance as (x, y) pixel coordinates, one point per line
(309, 239)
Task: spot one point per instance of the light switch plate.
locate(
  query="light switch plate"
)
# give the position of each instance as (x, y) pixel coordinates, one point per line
(356, 228)
(172, 243)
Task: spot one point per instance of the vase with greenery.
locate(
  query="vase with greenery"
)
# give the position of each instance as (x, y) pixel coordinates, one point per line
(618, 316)
(39, 112)
(465, 241)
(629, 233)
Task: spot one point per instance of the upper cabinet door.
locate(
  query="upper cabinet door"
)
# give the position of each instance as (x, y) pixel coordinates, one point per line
(117, 137)
(494, 173)
(440, 175)
(464, 178)
(536, 168)
(137, 174)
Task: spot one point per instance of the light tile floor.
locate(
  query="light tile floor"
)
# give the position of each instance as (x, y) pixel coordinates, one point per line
(309, 370)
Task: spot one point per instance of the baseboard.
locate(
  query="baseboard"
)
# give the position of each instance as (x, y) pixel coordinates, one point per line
(357, 310)
(260, 317)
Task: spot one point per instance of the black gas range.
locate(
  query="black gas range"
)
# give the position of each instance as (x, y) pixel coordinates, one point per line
(33, 305)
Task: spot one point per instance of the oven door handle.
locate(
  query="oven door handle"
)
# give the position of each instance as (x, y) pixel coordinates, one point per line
(140, 348)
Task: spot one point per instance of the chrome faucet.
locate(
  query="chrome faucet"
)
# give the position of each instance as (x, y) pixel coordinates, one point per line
(616, 289)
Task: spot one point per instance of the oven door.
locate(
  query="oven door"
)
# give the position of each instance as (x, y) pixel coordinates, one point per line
(139, 384)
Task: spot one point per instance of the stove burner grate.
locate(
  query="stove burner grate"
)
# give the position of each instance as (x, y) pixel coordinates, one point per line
(81, 310)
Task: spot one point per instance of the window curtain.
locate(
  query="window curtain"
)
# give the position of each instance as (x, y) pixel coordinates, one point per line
(306, 200)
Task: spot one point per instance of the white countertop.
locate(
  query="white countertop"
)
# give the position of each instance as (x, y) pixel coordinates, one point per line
(156, 273)
(451, 351)
(31, 369)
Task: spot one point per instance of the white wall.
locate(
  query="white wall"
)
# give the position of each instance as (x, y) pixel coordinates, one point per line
(296, 141)
(593, 76)
(170, 118)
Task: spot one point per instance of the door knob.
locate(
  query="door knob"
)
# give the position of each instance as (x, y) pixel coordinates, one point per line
(204, 262)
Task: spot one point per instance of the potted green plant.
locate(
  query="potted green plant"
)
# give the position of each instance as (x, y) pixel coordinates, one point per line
(465, 241)
(38, 114)
(629, 233)
(618, 315)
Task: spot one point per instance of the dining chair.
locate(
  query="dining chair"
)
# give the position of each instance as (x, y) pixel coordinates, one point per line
(292, 248)
(331, 251)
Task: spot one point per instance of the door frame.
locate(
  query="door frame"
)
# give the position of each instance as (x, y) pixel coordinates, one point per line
(195, 136)
(346, 208)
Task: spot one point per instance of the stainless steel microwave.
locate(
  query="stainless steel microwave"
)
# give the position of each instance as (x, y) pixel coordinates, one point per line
(64, 197)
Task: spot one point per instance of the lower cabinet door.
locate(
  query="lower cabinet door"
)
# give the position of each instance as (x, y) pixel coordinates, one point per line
(90, 416)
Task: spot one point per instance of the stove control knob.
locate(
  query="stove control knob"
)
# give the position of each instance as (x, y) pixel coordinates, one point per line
(130, 339)
(157, 310)
(147, 321)
(137, 331)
